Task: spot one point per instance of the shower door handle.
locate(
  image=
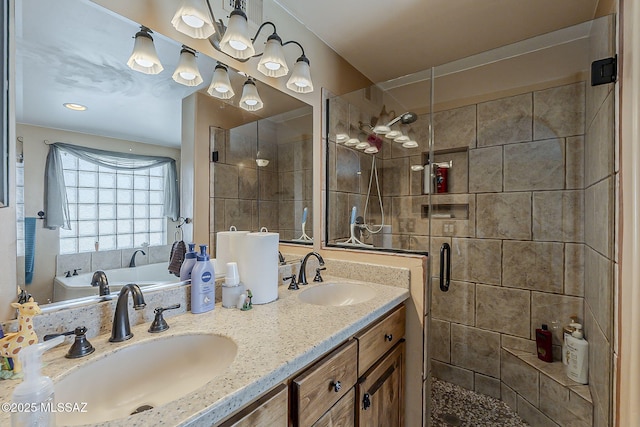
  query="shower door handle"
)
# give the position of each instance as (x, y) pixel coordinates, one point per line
(445, 267)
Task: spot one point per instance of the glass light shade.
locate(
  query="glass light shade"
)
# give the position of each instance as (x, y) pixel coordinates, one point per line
(417, 168)
(193, 19)
(273, 63)
(236, 41)
(250, 99)
(362, 145)
(220, 86)
(410, 144)
(381, 127)
(300, 79)
(393, 133)
(402, 139)
(187, 72)
(144, 57)
(371, 150)
(352, 142)
(341, 134)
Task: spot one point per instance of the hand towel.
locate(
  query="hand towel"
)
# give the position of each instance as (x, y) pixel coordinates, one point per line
(29, 248)
(178, 249)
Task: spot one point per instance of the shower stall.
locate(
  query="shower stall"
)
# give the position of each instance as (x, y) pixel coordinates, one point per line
(511, 189)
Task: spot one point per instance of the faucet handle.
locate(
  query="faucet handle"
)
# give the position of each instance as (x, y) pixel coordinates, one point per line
(159, 324)
(67, 273)
(81, 346)
(293, 286)
(75, 271)
(318, 277)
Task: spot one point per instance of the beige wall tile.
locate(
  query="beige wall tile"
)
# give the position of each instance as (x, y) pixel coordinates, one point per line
(332, 160)
(347, 168)
(574, 168)
(503, 310)
(505, 120)
(217, 207)
(519, 376)
(559, 111)
(455, 128)
(458, 174)
(247, 183)
(238, 213)
(475, 349)
(532, 415)
(224, 181)
(518, 344)
(485, 170)
(558, 216)
(242, 145)
(599, 217)
(533, 265)
(476, 260)
(268, 184)
(456, 305)
(537, 165)
(554, 399)
(396, 177)
(574, 277)
(504, 215)
(487, 385)
(452, 374)
(508, 396)
(440, 343)
(547, 307)
(599, 288)
(599, 365)
(292, 186)
(599, 143)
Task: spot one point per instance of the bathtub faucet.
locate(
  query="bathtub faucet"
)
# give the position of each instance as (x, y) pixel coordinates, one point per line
(100, 279)
(132, 263)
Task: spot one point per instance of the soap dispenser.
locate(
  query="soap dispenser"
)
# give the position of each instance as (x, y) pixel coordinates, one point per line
(34, 395)
(189, 262)
(203, 280)
(578, 356)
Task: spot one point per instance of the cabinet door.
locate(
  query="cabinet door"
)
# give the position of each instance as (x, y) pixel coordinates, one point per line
(270, 410)
(381, 392)
(342, 414)
(378, 339)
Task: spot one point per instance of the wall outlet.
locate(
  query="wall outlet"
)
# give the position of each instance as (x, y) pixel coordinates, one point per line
(449, 228)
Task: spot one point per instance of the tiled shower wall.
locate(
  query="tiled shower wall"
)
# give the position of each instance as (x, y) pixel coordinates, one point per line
(518, 259)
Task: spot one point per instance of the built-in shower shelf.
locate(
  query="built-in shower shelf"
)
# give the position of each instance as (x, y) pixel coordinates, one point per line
(447, 211)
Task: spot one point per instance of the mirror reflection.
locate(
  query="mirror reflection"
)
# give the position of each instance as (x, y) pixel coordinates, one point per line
(75, 52)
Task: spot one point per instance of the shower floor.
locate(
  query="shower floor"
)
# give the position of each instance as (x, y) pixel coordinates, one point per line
(452, 405)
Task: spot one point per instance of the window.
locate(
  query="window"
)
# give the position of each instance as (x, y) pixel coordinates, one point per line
(116, 208)
(20, 208)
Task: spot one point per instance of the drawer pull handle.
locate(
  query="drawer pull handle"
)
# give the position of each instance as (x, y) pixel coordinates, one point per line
(336, 386)
(388, 337)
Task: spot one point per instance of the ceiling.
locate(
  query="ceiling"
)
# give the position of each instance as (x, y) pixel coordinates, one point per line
(76, 51)
(387, 39)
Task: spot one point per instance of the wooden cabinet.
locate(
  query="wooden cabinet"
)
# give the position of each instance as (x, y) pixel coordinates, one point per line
(342, 414)
(381, 392)
(270, 410)
(375, 341)
(322, 385)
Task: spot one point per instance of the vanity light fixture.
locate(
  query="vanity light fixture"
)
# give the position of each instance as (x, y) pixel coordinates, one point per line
(144, 57)
(220, 86)
(193, 19)
(187, 72)
(250, 99)
(75, 107)
(236, 41)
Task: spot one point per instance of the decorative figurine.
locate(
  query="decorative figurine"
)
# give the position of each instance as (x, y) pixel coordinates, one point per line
(247, 302)
(13, 342)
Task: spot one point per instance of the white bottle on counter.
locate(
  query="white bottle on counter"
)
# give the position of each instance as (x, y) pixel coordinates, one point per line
(578, 356)
(231, 288)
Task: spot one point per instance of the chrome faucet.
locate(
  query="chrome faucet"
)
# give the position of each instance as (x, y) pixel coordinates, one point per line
(132, 263)
(121, 330)
(100, 279)
(302, 277)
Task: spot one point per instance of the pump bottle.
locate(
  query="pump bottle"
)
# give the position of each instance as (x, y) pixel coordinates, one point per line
(203, 280)
(189, 262)
(35, 392)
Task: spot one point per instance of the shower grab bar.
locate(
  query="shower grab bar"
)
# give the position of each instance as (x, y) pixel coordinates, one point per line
(445, 269)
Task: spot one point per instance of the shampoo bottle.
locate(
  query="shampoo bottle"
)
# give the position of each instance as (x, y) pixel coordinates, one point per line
(543, 344)
(189, 262)
(578, 350)
(203, 280)
(35, 392)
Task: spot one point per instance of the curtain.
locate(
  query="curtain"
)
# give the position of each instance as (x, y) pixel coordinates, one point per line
(56, 205)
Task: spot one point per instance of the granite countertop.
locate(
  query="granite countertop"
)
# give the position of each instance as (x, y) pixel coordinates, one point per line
(274, 342)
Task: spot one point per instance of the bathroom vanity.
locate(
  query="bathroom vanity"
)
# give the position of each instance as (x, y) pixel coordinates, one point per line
(307, 364)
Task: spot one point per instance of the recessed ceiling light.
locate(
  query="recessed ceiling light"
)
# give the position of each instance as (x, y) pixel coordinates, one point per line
(74, 107)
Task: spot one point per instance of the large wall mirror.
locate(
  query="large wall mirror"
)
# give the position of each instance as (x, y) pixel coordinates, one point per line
(76, 52)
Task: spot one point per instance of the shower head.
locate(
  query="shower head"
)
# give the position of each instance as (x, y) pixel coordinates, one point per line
(404, 118)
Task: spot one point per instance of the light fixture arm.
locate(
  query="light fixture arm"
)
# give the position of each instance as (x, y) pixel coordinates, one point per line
(295, 42)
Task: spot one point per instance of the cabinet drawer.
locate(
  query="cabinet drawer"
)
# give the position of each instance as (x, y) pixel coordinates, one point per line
(270, 410)
(379, 339)
(342, 414)
(315, 391)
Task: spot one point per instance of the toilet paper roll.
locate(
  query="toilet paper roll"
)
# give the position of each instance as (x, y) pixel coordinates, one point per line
(258, 265)
(227, 243)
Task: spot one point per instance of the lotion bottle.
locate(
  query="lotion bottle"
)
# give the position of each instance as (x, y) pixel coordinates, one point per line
(203, 280)
(578, 352)
(35, 392)
(189, 262)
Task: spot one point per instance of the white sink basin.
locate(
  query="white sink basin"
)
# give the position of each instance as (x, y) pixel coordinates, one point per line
(337, 294)
(144, 375)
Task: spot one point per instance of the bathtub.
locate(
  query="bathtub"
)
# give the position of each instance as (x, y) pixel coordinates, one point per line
(66, 288)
